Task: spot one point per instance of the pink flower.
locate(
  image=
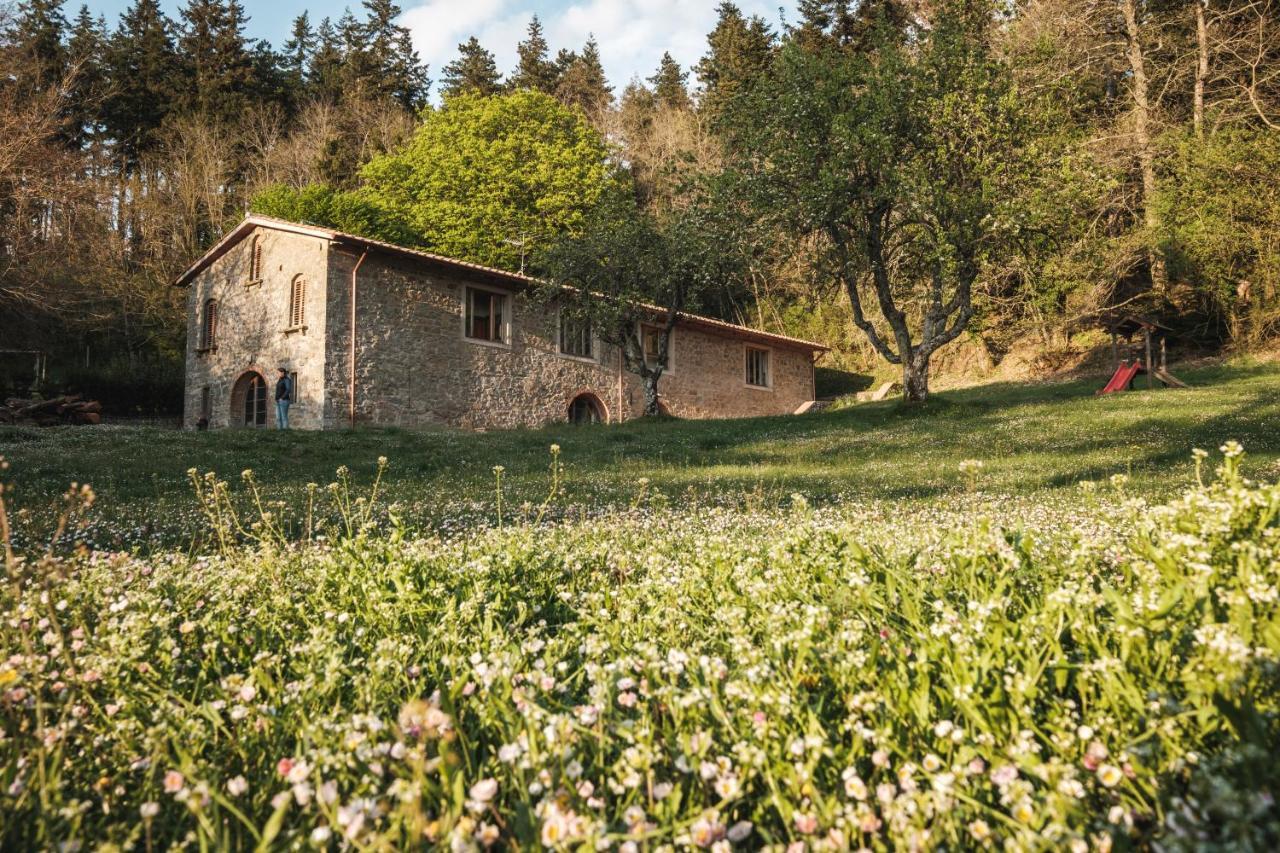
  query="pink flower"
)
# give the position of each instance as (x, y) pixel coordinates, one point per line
(283, 766)
(174, 782)
(806, 824)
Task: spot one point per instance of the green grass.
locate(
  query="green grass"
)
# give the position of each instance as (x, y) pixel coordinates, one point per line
(1031, 438)
(911, 653)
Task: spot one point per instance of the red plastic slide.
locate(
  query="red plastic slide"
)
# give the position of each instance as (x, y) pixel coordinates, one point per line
(1123, 377)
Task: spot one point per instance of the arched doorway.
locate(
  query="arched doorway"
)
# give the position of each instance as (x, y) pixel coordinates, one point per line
(586, 409)
(249, 401)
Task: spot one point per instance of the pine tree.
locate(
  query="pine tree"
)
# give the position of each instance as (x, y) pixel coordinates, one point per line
(392, 64)
(144, 70)
(299, 50)
(814, 29)
(535, 70)
(474, 72)
(219, 68)
(670, 83)
(324, 74)
(739, 52)
(37, 36)
(583, 83)
(414, 84)
(857, 27)
(359, 71)
(85, 49)
(272, 83)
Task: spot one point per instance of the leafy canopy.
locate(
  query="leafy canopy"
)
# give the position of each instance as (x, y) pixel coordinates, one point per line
(491, 179)
(484, 179)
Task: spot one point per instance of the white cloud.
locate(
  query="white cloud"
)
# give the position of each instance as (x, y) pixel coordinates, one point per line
(632, 33)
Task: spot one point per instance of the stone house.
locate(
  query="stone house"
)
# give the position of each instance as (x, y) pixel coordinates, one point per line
(378, 334)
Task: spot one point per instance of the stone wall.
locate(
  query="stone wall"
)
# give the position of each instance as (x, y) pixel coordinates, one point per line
(414, 367)
(254, 331)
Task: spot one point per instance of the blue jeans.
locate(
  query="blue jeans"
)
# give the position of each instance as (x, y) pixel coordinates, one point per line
(282, 414)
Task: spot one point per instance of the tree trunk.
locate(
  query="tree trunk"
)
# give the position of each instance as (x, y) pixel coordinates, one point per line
(651, 408)
(1142, 140)
(915, 379)
(1202, 67)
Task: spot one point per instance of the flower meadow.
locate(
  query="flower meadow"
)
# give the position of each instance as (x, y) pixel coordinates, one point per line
(1092, 674)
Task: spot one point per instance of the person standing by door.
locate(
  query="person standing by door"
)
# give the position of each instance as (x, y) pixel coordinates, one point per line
(284, 397)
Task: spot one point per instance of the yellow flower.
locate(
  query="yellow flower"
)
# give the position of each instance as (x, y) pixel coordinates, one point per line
(7, 676)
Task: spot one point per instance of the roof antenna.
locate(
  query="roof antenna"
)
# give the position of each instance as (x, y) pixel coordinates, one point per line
(523, 242)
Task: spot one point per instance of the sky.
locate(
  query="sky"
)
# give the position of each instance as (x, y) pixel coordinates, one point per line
(632, 33)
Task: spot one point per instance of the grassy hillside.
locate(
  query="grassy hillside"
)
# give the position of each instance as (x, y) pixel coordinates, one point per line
(1030, 438)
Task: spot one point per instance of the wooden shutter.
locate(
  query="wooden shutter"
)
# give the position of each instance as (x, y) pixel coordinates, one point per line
(298, 303)
(210, 331)
(255, 261)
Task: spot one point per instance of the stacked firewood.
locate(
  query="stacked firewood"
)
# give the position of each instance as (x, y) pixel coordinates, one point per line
(68, 409)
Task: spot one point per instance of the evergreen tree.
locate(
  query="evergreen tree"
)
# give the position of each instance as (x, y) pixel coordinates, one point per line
(815, 23)
(583, 83)
(391, 67)
(85, 49)
(324, 74)
(143, 69)
(474, 72)
(859, 27)
(219, 68)
(37, 35)
(535, 70)
(739, 52)
(271, 81)
(412, 72)
(358, 71)
(670, 83)
(299, 50)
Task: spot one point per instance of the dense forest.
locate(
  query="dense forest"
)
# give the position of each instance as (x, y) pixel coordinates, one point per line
(893, 175)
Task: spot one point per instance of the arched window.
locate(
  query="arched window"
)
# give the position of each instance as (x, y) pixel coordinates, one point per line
(209, 325)
(249, 400)
(298, 303)
(586, 409)
(255, 259)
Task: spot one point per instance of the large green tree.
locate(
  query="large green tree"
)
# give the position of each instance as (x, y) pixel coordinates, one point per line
(901, 164)
(492, 179)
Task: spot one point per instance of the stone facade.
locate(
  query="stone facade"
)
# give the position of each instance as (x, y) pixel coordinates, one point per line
(253, 333)
(414, 365)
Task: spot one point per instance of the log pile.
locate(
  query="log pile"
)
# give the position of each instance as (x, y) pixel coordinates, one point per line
(55, 411)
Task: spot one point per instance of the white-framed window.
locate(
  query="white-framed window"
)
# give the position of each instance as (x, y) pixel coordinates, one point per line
(651, 337)
(575, 338)
(486, 316)
(759, 370)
